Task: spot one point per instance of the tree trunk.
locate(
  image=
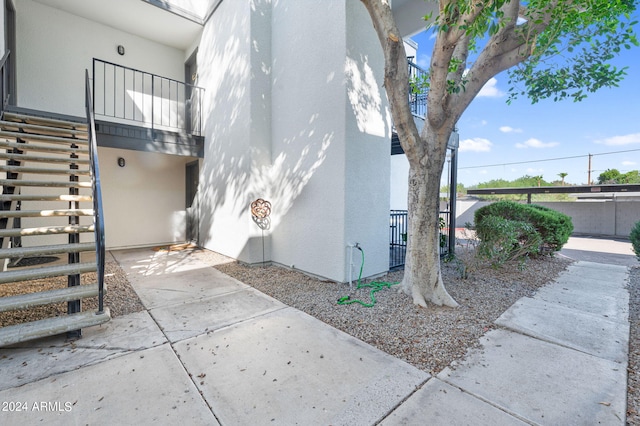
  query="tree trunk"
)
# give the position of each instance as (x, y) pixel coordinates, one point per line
(422, 277)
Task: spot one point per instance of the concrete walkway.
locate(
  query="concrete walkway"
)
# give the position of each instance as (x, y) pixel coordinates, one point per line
(211, 350)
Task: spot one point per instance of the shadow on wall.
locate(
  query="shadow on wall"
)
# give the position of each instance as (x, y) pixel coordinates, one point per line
(241, 163)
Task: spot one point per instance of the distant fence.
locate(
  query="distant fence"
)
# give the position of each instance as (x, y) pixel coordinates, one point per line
(605, 217)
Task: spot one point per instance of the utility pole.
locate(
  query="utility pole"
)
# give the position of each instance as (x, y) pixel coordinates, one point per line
(589, 171)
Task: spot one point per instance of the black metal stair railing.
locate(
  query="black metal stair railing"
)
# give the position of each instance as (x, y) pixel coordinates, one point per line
(4, 81)
(130, 96)
(96, 193)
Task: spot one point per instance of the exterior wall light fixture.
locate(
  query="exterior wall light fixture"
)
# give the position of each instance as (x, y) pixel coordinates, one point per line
(121, 162)
(120, 49)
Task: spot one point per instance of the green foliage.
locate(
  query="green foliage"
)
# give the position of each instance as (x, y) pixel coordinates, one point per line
(460, 189)
(585, 35)
(502, 239)
(613, 176)
(566, 46)
(521, 182)
(635, 239)
(552, 227)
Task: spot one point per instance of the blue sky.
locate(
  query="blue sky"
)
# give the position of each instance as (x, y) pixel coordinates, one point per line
(492, 132)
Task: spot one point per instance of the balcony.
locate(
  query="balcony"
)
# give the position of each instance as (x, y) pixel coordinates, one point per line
(146, 112)
(417, 103)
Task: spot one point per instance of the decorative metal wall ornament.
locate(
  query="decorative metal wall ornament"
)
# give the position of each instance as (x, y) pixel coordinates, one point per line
(261, 208)
(260, 212)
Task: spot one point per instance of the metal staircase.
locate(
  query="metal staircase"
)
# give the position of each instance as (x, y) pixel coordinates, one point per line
(49, 207)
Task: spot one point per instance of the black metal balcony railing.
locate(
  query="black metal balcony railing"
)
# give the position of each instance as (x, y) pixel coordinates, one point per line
(417, 91)
(131, 96)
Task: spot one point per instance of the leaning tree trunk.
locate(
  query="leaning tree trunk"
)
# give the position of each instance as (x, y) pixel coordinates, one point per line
(422, 277)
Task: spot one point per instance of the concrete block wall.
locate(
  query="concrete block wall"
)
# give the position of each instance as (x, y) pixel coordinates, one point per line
(596, 217)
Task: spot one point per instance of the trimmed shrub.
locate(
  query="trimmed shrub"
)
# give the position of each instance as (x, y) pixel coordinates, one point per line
(635, 239)
(503, 239)
(553, 227)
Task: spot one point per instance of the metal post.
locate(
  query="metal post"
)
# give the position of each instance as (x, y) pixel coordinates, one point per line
(153, 101)
(453, 144)
(453, 187)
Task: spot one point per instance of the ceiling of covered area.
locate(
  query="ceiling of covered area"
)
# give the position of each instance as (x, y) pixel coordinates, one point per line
(135, 17)
(409, 15)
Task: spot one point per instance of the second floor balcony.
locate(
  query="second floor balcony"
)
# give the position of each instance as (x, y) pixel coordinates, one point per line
(136, 109)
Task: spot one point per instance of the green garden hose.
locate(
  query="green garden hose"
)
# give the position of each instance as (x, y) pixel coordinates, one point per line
(375, 287)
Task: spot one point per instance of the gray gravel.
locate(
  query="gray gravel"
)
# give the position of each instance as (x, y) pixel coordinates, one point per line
(633, 395)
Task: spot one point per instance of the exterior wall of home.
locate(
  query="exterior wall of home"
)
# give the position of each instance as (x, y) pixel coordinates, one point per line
(54, 48)
(306, 129)
(368, 146)
(144, 201)
(229, 172)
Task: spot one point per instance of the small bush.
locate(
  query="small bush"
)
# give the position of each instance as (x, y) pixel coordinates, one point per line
(553, 227)
(502, 240)
(635, 239)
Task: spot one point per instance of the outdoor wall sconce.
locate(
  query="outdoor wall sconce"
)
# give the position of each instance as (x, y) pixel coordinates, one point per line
(120, 49)
(121, 162)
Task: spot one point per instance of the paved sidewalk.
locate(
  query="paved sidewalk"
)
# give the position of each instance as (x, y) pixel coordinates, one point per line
(211, 350)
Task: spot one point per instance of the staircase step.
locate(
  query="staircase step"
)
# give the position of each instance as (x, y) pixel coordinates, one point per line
(62, 197)
(46, 213)
(46, 272)
(41, 138)
(29, 300)
(51, 122)
(42, 159)
(18, 182)
(51, 326)
(42, 170)
(45, 230)
(18, 252)
(15, 126)
(43, 148)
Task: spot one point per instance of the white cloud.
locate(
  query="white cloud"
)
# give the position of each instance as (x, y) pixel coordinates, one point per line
(629, 163)
(621, 140)
(476, 145)
(508, 129)
(533, 171)
(490, 89)
(423, 61)
(535, 143)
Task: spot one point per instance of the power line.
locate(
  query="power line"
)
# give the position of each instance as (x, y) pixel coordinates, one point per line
(548, 159)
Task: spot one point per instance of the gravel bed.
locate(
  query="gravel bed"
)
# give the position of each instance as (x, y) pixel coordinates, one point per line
(633, 393)
(120, 296)
(429, 339)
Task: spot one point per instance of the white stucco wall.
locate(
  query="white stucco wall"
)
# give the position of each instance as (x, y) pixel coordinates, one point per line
(144, 202)
(54, 48)
(228, 174)
(368, 143)
(305, 128)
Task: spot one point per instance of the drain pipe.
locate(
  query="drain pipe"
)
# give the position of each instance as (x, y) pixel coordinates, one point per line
(351, 247)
